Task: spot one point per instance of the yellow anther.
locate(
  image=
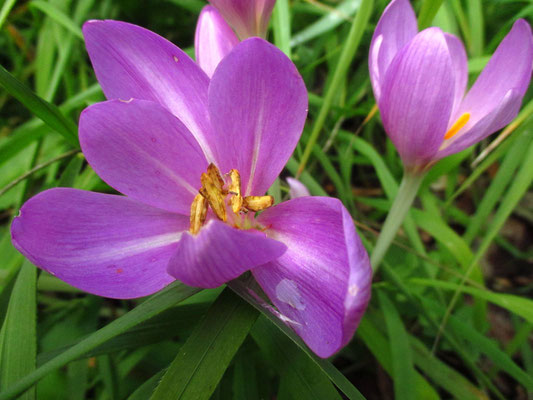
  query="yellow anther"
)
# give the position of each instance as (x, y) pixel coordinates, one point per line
(216, 178)
(236, 199)
(212, 190)
(198, 213)
(457, 126)
(258, 203)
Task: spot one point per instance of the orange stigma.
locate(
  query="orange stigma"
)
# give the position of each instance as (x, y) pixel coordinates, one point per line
(461, 121)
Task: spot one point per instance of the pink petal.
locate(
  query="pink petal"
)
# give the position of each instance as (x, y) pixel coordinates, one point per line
(497, 119)
(143, 151)
(508, 69)
(460, 68)
(214, 39)
(396, 27)
(103, 244)
(133, 62)
(258, 106)
(297, 188)
(322, 283)
(417, 97)
(247, 17)
(220, 253)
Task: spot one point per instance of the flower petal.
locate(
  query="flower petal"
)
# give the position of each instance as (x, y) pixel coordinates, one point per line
(417, 97)
(322, 283)
(396, 27)
(103, 244)
(220, 253)
(509, 68)
(258, 106)
(143, 151)
(247, 17)
(133, 62)
(492, 122)
(459, 66)
(214, 39)
(297, 188)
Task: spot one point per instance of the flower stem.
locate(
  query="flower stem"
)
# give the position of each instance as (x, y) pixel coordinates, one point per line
(404, 198)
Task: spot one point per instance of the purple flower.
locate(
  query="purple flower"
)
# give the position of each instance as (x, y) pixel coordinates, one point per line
(248, 17)
(419, 81)
(194, 158)
(214, 39)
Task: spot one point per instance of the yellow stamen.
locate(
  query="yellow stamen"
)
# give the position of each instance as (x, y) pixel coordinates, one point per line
(457, 126)
(198, 213)
(212, 190)
(258, 203)
(236, 199)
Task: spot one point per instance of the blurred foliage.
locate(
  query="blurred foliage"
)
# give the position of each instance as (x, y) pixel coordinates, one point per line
(451, 315)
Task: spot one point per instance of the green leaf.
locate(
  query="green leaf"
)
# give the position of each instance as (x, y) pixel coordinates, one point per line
(168, 297)
(6, 8)
(486, 346)
(18, 337)
(427, 12)
(281, 23)
(344, 385)
(378, 346)
(519, 305)
(327, 23)
(46, 111)
(403, 372)
(58, 16)
(144, 391)
(303, 378)
(202, 360)
(339, 75)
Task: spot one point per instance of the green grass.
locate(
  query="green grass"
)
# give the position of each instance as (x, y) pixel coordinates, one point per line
(451, 315)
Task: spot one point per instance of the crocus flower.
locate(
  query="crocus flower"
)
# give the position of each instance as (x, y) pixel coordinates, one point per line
(248, 17)
(419, 81)
(194, 157)
(214, 39)
(297, 188)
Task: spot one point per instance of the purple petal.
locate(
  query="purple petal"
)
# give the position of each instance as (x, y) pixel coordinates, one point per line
(508, 69)
(247, 17)
(396, 27)
(220, 253)
(103, 244)
(143, 151)
(214, 39)
(322, 283)
(133, 62)
(417, 97)
(459, 66)
(258, 106)
(497, 119)
(297, 188)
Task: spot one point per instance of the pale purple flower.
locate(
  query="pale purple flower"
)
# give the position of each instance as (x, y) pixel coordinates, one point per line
(248, 17)
(214, 39)
(419, 81)
(297, 188)
(164, 123)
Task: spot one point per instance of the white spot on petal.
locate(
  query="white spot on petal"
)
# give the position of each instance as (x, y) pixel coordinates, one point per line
(353, 290)
(126, 101)
(176, 59)
(287, 292)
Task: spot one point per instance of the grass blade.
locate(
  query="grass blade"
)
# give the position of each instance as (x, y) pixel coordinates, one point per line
(18, 338)
(46, 111)
(202, 360)
(156, 304)
(402, 361)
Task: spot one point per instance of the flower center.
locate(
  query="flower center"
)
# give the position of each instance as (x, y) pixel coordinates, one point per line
(457, 126)
(223, 195)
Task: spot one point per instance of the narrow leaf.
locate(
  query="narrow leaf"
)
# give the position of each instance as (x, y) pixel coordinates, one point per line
(205, 356)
